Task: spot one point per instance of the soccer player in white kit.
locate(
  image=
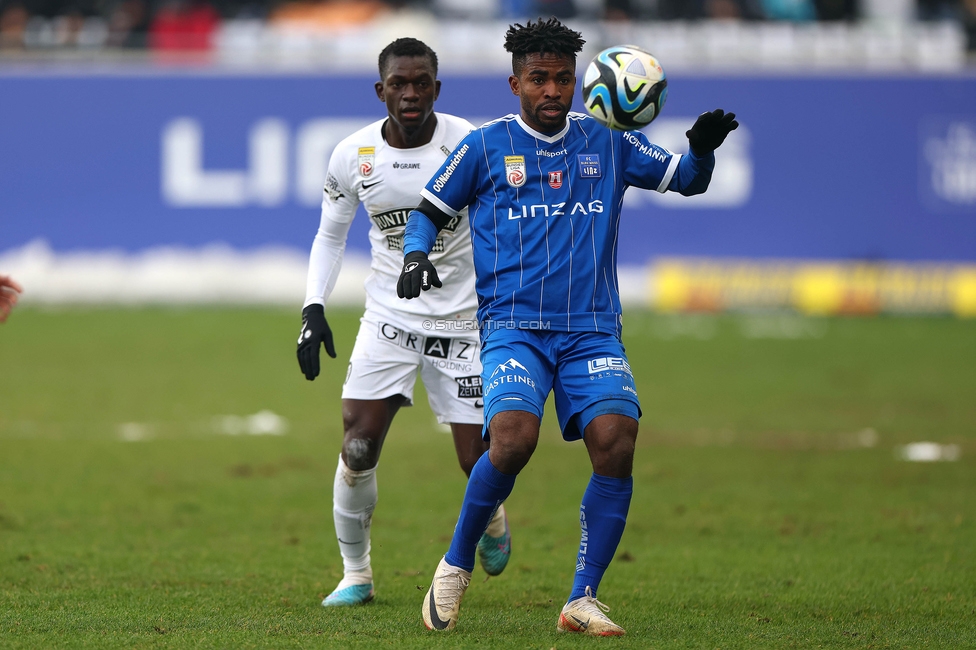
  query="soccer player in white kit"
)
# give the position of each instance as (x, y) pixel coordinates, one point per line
(384, 166)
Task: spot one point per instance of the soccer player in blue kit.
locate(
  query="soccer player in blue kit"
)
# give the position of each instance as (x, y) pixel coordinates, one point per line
(544, 190)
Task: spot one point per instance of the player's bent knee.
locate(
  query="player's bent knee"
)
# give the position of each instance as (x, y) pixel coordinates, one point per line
(361, 453)
(610, 440)
(514, 447)
(609, 420)
(616, 434)
(514, 436)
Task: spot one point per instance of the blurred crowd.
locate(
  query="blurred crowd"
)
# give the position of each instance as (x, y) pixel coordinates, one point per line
(190, 25)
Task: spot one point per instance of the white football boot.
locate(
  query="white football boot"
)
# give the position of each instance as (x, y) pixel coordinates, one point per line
(442, 604)
(586, 615)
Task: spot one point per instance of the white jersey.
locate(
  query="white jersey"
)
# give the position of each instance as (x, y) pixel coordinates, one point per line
(365, 169)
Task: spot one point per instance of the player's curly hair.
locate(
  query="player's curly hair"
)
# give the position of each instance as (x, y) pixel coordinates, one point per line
(406, 47)
(541, 37)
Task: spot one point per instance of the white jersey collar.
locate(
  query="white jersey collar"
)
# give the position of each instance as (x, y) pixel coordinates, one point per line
(542, 136)
(437, 137)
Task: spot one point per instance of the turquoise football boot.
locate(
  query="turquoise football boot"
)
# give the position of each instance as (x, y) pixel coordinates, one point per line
(351, 595)
(494, 552)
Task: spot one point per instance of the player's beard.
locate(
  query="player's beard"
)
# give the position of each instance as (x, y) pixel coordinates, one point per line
(546, 122)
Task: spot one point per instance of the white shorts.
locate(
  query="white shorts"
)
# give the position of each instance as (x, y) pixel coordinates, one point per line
(385, 360)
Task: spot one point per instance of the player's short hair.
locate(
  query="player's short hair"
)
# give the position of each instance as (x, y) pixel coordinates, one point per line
(541, 37)
(406, 47)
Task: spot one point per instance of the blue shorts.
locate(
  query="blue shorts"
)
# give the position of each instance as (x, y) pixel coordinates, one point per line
(587, 371)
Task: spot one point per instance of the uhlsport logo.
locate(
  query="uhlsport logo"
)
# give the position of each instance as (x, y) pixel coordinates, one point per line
(367, 156)
(515, 170)
(544, 153)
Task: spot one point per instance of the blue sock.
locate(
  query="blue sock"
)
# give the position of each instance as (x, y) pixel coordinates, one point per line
(487, 488)
(603, 516)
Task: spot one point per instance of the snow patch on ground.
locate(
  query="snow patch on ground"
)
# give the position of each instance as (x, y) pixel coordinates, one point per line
(169, 275)
(217, 273)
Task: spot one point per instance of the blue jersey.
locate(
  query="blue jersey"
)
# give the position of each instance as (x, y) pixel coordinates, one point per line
(544, 212)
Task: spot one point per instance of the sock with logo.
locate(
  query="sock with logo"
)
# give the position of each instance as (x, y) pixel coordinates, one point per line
(354, 497)
(603, 515)
(496, 527)
(487, 488)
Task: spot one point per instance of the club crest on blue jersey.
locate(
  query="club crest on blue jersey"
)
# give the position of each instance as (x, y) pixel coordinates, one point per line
(589, 165)
(556, 179)
(515, 170)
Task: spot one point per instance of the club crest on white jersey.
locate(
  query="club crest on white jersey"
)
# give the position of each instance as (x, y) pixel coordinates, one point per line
(367, 157)
(366, 173)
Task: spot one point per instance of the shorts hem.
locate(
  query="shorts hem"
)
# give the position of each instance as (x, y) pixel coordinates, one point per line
(459, 419)
(578, 435)
(515, 405)
(372, 397)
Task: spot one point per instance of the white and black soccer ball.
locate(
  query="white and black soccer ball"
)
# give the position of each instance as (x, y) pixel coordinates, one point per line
(624, 88)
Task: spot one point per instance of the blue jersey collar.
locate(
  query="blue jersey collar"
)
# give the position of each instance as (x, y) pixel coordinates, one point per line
(542, 136)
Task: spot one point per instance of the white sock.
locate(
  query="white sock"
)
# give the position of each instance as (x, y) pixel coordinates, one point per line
(496, 527)
(353, 501)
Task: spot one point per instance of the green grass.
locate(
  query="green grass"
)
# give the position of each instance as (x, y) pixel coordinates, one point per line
(759, 519)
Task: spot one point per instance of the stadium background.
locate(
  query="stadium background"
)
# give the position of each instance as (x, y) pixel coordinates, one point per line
(850, 188)
(165, 470)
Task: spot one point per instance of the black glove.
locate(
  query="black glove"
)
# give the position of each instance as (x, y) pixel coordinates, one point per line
(709, 131)
(315, 332)
(417, 274)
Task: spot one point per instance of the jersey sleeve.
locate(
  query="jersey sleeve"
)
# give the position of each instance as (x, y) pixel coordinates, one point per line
(647, 165)
(456, 183)
(339, 203)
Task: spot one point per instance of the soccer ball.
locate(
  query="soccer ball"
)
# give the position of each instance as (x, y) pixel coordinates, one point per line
(624, 88)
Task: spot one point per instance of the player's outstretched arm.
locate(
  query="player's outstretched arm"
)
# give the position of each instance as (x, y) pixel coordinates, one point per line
(710, 130)
(315, 332)
(694, 171)
(9, 290)
(418, 273)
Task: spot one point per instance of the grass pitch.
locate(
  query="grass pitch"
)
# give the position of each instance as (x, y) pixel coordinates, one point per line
(770, 507)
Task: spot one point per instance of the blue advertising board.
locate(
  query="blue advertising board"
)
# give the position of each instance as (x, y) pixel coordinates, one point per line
(852, 167)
